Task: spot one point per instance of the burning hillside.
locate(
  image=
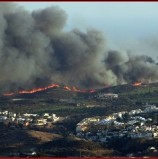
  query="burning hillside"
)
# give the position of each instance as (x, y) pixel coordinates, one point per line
(137, 84)
(73, 89)
(35, 50)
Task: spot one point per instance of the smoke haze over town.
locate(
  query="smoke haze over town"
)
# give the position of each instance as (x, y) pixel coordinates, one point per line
(36, 50)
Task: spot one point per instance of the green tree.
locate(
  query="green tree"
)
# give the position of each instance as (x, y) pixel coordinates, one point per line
(125, 117)
(118, 119)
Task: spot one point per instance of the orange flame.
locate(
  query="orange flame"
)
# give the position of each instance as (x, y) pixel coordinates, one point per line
(27, 123)
(8, 94)
(38, 89)
(82, 91)
(33, 90)
(137, 84)
(92, 91)
(67, 88)
(74, 89)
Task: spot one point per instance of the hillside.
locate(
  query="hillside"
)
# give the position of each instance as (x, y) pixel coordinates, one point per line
(145, 93)
(47, 144)
(60, 140)
(55, 93)
(64, 102)
(131, 89)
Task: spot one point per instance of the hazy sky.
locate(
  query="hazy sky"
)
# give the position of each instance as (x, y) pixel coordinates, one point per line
(126, 25)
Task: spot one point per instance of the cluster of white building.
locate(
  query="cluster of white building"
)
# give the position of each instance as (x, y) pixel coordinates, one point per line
(27, 119)
(109, 127)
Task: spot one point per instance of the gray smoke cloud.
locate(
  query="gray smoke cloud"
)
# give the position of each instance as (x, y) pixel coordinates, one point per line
(36, 51)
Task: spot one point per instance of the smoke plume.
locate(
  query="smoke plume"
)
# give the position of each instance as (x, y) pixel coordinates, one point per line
(36, 51)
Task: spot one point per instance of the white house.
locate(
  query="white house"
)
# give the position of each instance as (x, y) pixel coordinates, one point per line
(41, 122)
(150, 108)
(104, 96)
(46, 115)
(155, 134)
(141, 135)
(29, 115)
(2, 118)
(11, 114)
(81, 128)
(105, 121)
(136, 111)
(5, 112)
(20, 120)
(55, 118)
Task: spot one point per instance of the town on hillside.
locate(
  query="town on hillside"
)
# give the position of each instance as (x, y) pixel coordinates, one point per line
(135, 124)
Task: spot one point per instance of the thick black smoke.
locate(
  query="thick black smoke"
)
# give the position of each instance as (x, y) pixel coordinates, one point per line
(36, 51)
